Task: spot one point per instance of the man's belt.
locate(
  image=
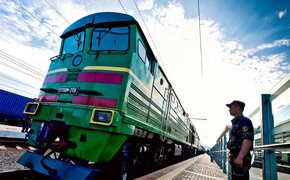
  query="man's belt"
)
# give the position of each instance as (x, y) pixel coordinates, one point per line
(235, 150)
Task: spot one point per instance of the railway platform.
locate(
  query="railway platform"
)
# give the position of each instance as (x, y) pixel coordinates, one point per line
(198, 167)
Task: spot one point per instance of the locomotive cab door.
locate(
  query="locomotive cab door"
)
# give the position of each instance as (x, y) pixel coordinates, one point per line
(161, 96)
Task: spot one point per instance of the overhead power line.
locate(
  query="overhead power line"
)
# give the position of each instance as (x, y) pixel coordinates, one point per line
(288, 73)
(20, 90)
(57, 11)
(148, 31)
(16, 81)
(200, 46)
(41, 79)
(36, 18)
(21, 64)
(122, 6)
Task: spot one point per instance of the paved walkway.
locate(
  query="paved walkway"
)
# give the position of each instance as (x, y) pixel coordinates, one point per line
(202, 169)
(196, 168)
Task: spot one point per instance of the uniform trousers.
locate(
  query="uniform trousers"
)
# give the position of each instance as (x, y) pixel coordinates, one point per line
(240, 173)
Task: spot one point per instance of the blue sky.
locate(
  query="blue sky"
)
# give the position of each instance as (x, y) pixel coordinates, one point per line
(250, 22)
(245, 47)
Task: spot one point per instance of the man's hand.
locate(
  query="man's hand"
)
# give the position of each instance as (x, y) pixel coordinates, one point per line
(238, 162)
(246, 145)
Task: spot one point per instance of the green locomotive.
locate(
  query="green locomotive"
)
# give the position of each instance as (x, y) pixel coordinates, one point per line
(106, 99)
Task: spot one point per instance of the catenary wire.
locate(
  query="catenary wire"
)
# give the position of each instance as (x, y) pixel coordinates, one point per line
(122, 6)
(57, 11)
(41, 79)
(20, 63)
(200, 45)
(30, 89)
(148, 31)
(279, 81)
(14, 81)
(17, 68)
(5, 85)
(35, 18)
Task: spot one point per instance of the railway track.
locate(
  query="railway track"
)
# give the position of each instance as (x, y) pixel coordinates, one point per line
(18, 143)
(8, 141)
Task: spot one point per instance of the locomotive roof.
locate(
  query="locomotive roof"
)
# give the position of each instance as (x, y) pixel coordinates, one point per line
(99, 18)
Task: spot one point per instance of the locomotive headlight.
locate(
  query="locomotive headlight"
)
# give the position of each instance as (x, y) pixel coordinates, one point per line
(102, 117)
(31, 108)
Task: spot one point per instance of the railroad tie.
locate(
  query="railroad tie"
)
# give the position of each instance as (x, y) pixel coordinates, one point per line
(3, 148)
(19, 148)
(31, 148)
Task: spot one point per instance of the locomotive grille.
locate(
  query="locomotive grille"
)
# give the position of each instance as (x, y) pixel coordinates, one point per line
(136, 109)
(138, 100)
(134, 87)
(72, 76)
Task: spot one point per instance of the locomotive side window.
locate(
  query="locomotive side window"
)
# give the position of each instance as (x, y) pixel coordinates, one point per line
(173, 98)
(142, 51)
(74, 43)
(174, 102)
(148, 63)
(144, 56)
(110, 38)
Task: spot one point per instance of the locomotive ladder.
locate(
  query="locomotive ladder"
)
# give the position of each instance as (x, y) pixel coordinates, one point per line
(165, 113)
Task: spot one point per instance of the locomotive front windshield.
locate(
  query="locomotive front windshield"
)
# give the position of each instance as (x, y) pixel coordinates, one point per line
(74, 43)
(110, 38)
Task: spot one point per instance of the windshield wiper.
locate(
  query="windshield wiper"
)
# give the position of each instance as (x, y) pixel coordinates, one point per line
(79, 39)
(61, 57)
(101, 37)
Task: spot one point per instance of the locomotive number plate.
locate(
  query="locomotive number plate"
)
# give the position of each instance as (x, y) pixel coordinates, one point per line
(68, 90)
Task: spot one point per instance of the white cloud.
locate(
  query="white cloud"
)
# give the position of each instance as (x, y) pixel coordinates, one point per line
(282, 42)
(145, 4)
(282, 13)
(276, 43)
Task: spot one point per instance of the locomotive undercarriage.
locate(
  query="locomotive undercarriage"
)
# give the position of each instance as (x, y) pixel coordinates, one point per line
(139, 156)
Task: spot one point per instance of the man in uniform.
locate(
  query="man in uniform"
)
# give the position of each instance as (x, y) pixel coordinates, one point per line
(240, 142)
